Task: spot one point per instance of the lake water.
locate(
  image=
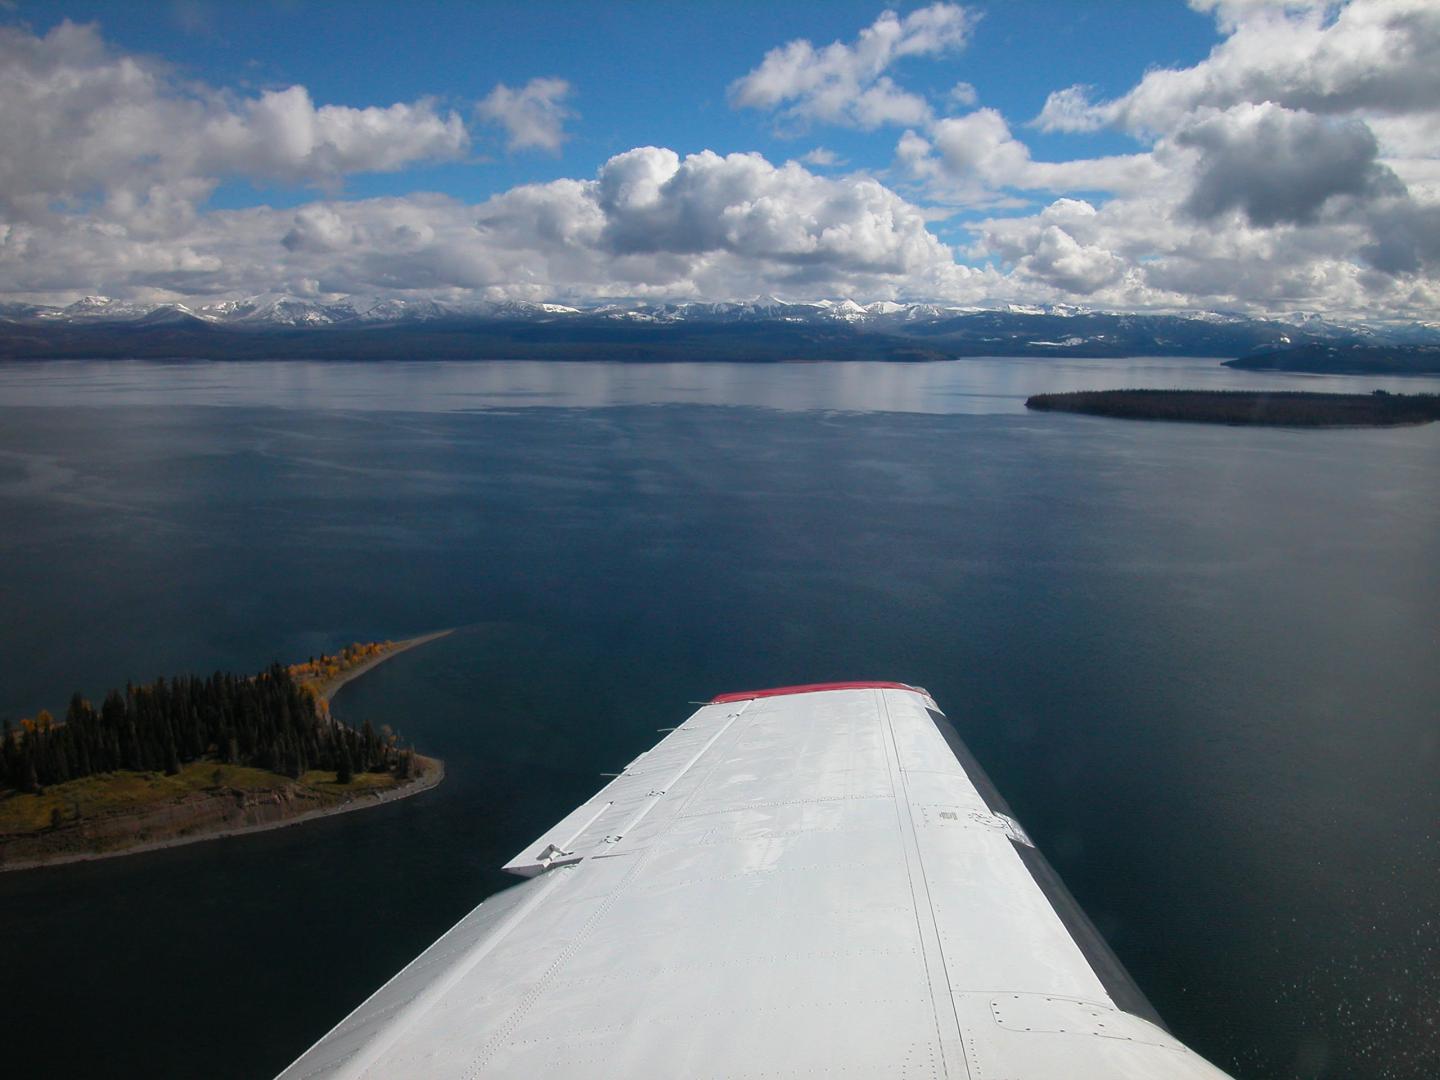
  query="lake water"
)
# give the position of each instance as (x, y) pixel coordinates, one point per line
(1200, 662)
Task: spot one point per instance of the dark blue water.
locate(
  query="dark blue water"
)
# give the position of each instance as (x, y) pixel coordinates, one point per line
(1199, 661)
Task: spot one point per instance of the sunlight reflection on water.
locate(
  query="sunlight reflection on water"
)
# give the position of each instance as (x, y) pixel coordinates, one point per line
(981, 385)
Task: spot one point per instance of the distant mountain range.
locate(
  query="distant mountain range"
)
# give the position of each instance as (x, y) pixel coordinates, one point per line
(280, 326)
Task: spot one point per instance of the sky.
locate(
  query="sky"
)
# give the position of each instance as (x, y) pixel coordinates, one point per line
(1257, 156)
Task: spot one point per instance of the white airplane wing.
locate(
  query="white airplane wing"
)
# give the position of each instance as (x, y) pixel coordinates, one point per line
(806, 882)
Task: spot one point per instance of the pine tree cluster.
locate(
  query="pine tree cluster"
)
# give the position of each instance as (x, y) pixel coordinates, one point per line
(269, 721)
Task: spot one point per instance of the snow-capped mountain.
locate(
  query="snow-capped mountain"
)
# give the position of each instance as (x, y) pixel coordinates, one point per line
(283, 310)
(100, 309)
(167, 315)
(765, 328)
(278, 309)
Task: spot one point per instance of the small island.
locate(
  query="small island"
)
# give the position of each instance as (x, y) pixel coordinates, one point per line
(1276, 408)
(193, 758)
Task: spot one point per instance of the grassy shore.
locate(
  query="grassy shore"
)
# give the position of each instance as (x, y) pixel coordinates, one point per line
(92, 797)
(123, 813)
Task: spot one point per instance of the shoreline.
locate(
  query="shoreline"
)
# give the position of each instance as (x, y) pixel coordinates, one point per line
(1292, 409)
(433, 775)
(332, 687)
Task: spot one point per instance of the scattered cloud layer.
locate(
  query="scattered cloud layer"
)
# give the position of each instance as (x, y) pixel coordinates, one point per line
(650, 223)
(1295, 167)
(1298, 165)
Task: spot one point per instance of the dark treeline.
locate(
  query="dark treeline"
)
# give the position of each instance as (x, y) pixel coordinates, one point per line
(268, 721)
(1278, 407)
(1342, 358)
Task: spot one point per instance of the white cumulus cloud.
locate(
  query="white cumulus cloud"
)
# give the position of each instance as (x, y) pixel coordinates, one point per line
(533, 116)
(1372, 55)
(81, 121)
(650, 223)
(846, 83)
(1058, 259)
(968, 158)
(1297, 165)
(651, 216)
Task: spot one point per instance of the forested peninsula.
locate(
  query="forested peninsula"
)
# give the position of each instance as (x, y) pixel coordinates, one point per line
(195, 757)
(1274, 408)
(1344, 358)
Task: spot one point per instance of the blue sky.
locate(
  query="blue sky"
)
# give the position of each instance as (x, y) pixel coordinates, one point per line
(1217, 153)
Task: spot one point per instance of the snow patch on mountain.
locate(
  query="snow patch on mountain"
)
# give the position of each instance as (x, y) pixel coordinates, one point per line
(278, 310)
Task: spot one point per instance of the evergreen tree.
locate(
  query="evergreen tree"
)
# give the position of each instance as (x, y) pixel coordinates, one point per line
(270, 720)
(369, 757)
(345, 768)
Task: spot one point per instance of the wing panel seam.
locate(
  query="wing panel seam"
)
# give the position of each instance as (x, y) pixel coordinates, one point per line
(492, 1046)
(913, 863)
(430, 995)
(654, 801)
